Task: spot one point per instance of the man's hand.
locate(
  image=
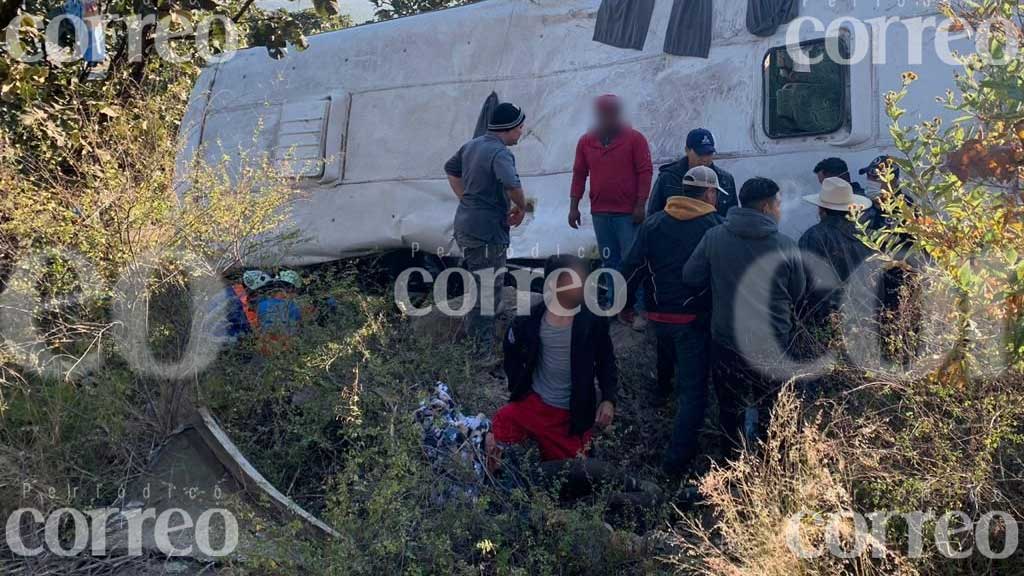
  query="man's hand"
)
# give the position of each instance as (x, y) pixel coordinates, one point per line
(574, 218)
(605, 414)
(458, 187)
(492, 453)
(516, 216)
(639, 213)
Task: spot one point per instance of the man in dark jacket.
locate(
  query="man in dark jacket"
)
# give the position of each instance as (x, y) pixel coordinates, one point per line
(899, 319)
(700, 151)
(883, 177)
(678, 312)
(835, 243)
(836, 168)
(756, 278)
(552, 359)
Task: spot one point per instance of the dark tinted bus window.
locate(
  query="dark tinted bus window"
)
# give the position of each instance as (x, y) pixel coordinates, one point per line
(805, 101)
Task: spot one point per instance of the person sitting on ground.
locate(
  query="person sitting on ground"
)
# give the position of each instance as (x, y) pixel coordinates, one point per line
(757, 279)
(553, 357)
(465, 458)
(678, 312)
(835, 240)
(552, 360)
(700, 151)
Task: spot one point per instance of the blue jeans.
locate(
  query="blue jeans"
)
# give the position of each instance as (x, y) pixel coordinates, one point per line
(615, 234)
(691, 345)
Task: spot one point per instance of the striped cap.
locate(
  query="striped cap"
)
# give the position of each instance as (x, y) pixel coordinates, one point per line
(506, 117)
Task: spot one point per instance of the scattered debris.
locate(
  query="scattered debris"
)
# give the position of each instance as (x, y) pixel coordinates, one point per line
(200, 469)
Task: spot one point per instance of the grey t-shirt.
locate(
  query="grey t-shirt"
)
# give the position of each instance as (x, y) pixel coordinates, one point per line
(552, 379)
(487, 168)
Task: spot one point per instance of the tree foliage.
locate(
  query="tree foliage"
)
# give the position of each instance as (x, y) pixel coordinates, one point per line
(967, 215)
(389, 9)
(47, 105)
(941, 433)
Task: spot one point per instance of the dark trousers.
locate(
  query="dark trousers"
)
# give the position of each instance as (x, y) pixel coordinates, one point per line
(666, 352)
(481, 260)
(688, 345)
(628, 497)
(746, 397)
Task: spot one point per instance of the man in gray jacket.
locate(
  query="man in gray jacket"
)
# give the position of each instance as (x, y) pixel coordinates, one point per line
(483, 176)
(757, 279)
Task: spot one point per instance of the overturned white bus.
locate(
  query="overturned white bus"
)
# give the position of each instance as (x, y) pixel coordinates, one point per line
(367, 116)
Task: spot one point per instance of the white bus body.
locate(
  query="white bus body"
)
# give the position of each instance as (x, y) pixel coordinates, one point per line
(368, 115)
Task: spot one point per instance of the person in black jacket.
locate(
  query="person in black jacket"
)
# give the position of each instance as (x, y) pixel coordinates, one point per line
(678, 312)
(700, 151)
(553, 357)
(757, 280)
(834, 241)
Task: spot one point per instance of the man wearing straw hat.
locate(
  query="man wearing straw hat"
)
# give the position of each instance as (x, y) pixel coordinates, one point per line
(835, 241)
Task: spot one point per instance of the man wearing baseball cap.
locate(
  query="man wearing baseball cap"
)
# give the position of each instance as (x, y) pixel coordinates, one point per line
(835, 240)
(700, 151)
(876, 173)
(484, 178)
(757, 279)
(883, 177)
(678, 312)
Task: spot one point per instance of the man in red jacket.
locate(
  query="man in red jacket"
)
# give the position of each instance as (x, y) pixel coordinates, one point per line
(617, 159)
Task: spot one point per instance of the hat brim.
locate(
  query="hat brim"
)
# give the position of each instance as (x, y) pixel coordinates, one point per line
(861, 201)
(704, 150)
(702, 185)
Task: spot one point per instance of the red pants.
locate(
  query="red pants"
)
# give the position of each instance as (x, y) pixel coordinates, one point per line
(532, 419)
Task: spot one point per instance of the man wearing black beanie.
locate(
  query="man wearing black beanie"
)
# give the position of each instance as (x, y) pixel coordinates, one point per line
(491, 199)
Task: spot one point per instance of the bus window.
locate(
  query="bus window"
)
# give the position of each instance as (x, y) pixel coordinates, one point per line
(805, 99)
